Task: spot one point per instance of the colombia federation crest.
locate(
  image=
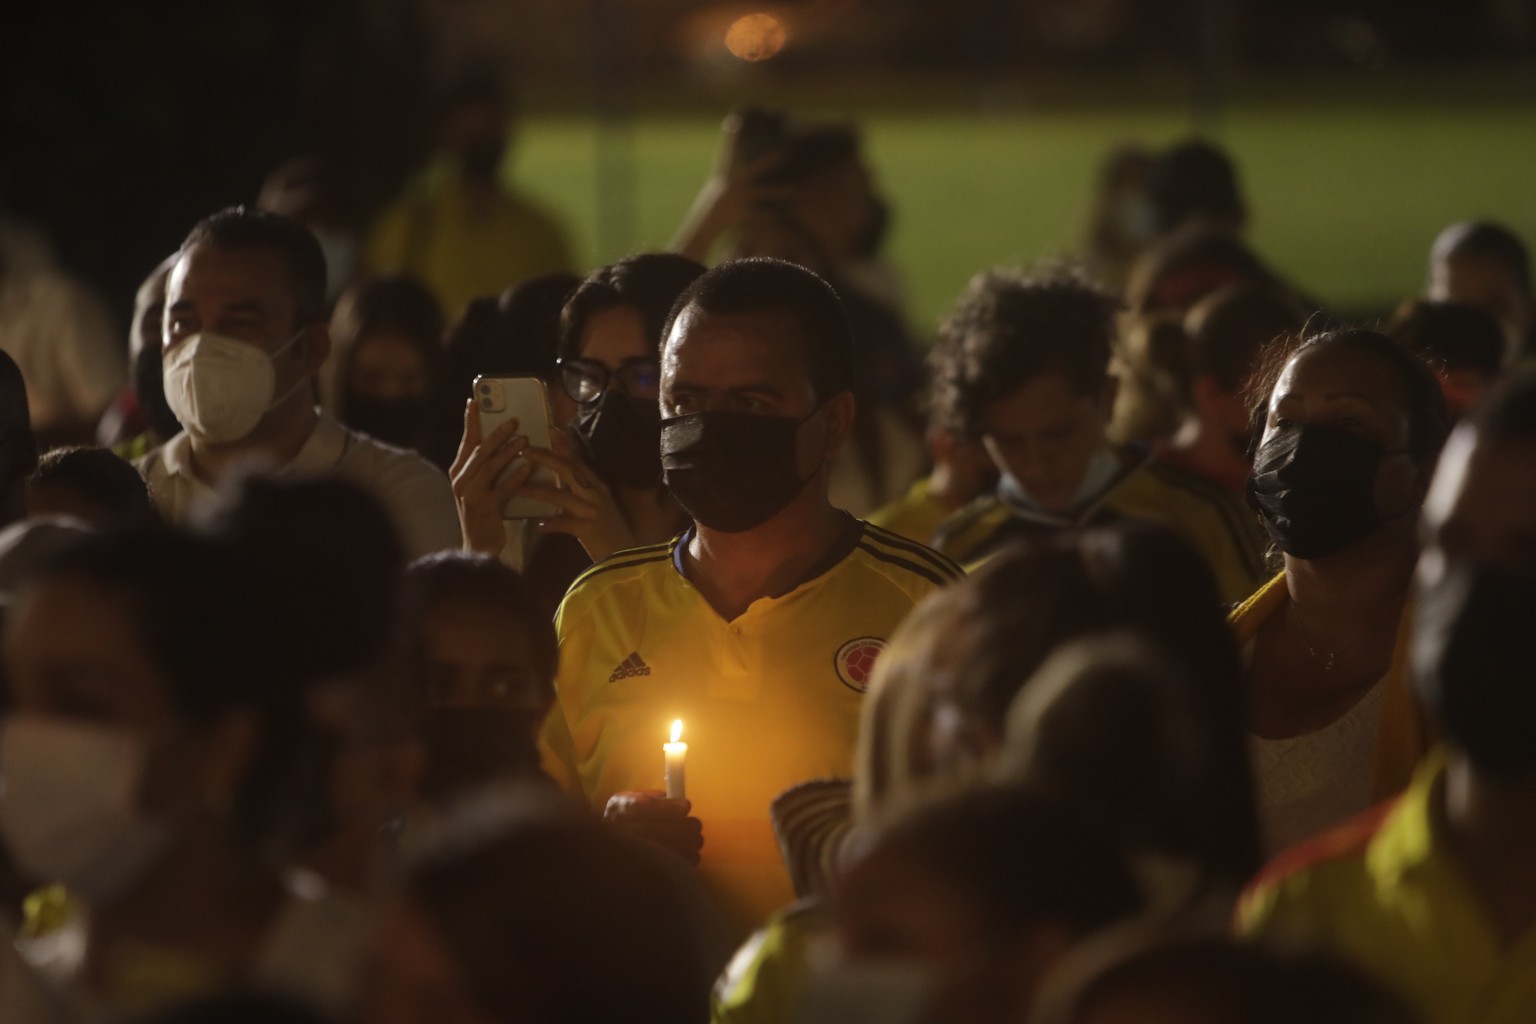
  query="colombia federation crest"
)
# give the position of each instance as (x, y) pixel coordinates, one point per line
(855, 661)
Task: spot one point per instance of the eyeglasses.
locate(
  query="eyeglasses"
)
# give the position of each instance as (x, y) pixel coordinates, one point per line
(585, 380)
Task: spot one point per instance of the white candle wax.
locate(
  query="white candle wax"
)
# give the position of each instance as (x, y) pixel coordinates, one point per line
(677, 755)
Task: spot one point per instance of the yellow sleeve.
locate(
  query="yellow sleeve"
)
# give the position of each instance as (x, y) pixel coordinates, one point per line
(763, 983)
(557, 753)
(557, 748)
(1255, 911)
(1304, 906)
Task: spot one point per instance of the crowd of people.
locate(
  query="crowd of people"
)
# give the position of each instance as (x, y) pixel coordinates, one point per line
(1152, 650)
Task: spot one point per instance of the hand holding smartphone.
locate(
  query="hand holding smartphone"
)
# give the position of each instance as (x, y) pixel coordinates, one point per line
(499, 399)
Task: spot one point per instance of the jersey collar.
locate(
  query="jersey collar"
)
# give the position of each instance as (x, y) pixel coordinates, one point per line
(848, 539)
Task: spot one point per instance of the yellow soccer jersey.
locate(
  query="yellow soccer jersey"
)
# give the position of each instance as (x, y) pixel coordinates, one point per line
(768, 699)
(987, 525)
(1215, 521)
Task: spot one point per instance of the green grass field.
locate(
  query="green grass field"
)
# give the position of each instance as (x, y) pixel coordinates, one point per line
(1345, 199)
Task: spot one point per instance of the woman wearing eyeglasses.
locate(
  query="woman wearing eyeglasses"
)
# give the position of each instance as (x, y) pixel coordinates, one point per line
(608, 456)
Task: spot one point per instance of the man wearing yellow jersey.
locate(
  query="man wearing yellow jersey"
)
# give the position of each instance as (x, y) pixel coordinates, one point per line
(759, 626)
(1435, 892)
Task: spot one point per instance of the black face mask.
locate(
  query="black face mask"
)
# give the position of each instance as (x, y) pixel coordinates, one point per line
(1314, 487)
(731, 471)
(468, 748)
(1474, 662)
(621, 439)
(401, 422)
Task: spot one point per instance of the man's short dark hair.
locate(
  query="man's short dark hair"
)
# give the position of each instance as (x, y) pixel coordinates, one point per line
(1010, 327)
(240, 227)
(763, 285)
(1485, 240)
(107, 483)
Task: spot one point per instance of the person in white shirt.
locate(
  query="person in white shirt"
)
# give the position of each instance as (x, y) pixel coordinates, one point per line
(245, 336)
(61, 334)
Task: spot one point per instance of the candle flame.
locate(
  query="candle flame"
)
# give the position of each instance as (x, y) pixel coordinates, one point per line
(677, 730)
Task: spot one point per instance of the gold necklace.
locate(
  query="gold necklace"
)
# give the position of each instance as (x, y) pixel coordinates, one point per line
(1330, 658)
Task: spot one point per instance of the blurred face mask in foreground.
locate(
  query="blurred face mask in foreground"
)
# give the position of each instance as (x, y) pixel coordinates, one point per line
(1472, 654)
(68, 809)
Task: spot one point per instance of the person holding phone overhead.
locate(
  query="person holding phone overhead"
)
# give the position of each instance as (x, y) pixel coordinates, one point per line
(596, 488)
(245, 336)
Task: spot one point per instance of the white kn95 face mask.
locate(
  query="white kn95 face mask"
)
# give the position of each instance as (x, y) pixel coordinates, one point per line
(220, 387)
(69, 813)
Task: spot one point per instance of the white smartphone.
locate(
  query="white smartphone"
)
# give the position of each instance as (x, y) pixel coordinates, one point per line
(524, 399)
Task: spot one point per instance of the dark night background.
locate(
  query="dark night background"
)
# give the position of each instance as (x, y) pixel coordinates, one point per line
(123, 124)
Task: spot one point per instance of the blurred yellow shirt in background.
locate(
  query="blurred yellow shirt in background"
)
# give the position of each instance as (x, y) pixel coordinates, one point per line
(1385, 892)
(461, 249)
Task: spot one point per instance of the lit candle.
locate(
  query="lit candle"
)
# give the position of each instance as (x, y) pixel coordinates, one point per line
(677, 754)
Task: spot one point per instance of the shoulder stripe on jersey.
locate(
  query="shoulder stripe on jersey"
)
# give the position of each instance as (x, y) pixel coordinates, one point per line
(619, 562)
(962, 522)
(914, 549)
(644, 549)
(916, 568)
(627, 554)
(967, 516)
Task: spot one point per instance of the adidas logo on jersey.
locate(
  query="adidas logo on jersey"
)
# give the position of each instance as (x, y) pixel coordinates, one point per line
(630, 667)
